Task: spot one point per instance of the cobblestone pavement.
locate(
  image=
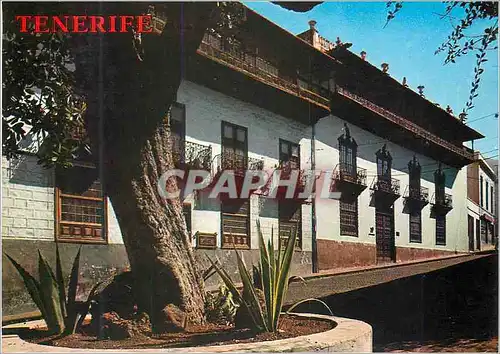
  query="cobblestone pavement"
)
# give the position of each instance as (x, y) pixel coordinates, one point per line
(339, 283)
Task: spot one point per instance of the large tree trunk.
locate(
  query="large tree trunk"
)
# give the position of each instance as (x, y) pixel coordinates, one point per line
(128, 101)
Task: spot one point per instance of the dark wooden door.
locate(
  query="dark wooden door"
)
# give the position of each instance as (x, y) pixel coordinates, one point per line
(385, 236)
(470, 227)
(478, 235)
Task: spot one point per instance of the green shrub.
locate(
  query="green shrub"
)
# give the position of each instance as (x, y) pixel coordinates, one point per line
(220, 307)
(61, 313)
(273, 273)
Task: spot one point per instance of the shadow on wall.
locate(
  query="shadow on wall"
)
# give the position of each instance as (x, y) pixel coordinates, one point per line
(369, 144)
(264, 128)
(26, 171)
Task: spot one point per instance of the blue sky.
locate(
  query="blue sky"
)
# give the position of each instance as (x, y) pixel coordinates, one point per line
(408, 44)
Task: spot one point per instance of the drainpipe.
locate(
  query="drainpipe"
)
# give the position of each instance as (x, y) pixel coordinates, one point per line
(313, 205)
(313, 168)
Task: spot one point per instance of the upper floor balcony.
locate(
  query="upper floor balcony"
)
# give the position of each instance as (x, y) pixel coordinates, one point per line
(416, 197)
(384, 188)
(189, 155)
(251, 64)
(229, 160)
(406, 132)
(349, 180)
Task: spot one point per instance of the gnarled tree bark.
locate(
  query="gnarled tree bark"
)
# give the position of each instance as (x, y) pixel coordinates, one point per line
(128, 101)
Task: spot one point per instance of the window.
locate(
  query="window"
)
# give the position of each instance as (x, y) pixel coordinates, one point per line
(235, 223)
(289, 154)
(177, 122)
(349, 218)
(235, 213)
(414, 192)
(492, 199)
(81, 208)
(416, 226)
(487, 204)
(234, 146)
(481, 191)
(290, 222)
(186, 211)
(441, 230)
(290, 212)
(439, 186)
(384, 162)
(348, 151)
(414, 172)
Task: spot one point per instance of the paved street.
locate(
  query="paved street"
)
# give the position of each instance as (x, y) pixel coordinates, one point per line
(340, 283)
(448, 305)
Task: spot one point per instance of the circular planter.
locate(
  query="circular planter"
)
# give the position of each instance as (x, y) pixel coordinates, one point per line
(348, 336)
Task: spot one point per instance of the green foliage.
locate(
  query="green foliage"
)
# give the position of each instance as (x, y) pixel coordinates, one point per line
(274, 274)
(220, 307)
(39, 88)
(61, 314)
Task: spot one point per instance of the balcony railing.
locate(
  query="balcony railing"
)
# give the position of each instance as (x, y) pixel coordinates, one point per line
(230, 160)
(443, 200)
(192, 155)
(258, 68)
(348, 173)
(386, 185)
(415, 193)
(408, 125)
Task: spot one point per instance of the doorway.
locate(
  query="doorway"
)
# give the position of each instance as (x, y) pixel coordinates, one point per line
(386, 248)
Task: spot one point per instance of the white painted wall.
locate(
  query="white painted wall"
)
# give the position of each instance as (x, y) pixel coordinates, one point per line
(28, 202)
(327, 157)
(205, 110)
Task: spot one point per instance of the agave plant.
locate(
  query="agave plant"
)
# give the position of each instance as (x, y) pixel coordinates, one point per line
(61, 313)
(274, 273)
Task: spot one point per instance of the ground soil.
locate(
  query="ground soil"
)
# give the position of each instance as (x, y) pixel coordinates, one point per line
(200, 335)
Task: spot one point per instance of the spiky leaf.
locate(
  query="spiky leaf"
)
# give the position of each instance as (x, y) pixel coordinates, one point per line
(60, 282)
(31, 284)
(50, 296)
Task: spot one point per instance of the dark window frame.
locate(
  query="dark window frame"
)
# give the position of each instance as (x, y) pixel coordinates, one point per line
(349, 218)
(285, 218)
(228, 144)
(348, 212)
(481, 191)
(441, 230)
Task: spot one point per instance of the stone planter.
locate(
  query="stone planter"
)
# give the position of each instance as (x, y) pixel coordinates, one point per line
(347, 336)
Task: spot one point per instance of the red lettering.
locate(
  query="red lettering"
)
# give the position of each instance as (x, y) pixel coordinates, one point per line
(112, 24)
(96, 22)
(24, 20)
(39, 22)
(78, 24)
(144, 24)
(126, 22)
(58, 25)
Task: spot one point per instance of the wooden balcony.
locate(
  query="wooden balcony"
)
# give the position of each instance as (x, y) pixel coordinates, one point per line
(261, 70)
(407, 132)
(385, 189)
(349, 181)
(416, 198)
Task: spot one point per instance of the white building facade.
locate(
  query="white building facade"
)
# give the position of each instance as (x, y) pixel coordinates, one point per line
(401, 201)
